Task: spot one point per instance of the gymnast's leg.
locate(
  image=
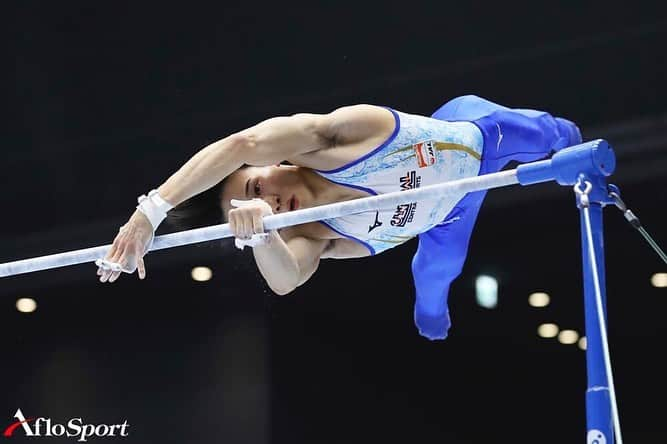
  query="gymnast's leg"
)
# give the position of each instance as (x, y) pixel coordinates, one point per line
(520, 135)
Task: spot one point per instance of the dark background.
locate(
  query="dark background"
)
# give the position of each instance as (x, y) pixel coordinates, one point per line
(102, 102)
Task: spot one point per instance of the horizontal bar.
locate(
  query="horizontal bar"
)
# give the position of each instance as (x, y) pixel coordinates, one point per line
(273, 222)
(593, 158)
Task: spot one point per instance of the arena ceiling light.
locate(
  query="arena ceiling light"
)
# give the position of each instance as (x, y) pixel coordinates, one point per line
(568, 337)
(548, 330)
(659, 280)
(582, 343)
(486, 291)
(26, 305)
(201, 274)
(539, 299)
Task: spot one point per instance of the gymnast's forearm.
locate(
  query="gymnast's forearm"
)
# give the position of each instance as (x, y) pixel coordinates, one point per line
(204, 170)
(266, 143)
(277, 264)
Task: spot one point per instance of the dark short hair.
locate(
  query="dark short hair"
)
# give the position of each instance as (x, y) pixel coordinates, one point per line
(201, 210)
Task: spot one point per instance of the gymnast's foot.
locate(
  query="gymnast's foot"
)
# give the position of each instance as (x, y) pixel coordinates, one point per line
(569, 132)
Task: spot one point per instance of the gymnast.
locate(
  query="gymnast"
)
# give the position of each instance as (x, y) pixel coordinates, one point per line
(305, 160)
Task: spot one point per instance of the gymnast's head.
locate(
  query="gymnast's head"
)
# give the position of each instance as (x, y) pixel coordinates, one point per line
(283, 187)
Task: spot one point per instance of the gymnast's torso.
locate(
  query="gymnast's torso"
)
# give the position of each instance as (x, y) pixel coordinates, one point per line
(418, 151)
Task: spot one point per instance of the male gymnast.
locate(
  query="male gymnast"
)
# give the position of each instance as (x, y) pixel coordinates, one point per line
(306, 160)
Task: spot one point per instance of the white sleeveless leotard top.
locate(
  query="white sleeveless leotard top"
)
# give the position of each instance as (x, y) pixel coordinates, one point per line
(421, 151)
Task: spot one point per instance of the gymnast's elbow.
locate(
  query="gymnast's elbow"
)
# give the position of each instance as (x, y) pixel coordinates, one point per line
(282, 283)
(288, 282)
(243, 142)
(282, 289)
(246, 145)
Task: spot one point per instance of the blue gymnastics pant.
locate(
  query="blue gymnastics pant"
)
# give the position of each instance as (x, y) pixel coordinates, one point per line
(521, 135)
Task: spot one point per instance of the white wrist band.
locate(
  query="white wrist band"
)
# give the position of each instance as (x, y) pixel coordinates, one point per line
(153, 207)
(255, 240)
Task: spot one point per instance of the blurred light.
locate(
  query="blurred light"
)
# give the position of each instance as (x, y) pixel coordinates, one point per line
(547, 330)
(26, 305)
(659, 280)
(201, 274)
(568, 337)
(486, 289)
(538, 299)
(582, 343)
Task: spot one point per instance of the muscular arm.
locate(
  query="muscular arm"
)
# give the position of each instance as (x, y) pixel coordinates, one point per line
(267, 143)
(273, 141)
(287, 263)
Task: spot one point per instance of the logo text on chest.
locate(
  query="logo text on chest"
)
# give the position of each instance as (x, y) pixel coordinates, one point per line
(410, 181)
(425, 153)
(406, 212)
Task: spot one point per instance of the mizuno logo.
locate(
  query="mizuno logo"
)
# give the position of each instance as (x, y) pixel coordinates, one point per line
(449, 221)
(500, 137)
(377, 222)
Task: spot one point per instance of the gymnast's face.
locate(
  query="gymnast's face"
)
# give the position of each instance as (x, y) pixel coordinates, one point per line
(281, 186)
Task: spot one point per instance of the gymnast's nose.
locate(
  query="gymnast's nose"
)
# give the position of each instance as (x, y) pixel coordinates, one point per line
(274, 201)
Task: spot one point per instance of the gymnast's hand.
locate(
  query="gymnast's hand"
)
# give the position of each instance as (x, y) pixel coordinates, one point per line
(247, 218)
(128, 249)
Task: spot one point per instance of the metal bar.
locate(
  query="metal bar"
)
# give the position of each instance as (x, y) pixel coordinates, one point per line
(338, 209)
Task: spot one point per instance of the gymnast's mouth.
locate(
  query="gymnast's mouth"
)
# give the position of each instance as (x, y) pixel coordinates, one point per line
(293, 203)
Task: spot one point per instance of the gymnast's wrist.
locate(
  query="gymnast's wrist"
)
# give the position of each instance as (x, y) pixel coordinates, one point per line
(139, 219)
(153, 207)
(271, 240)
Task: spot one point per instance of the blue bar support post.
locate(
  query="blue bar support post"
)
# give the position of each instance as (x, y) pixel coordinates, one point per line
(599, 424)
(589, 162)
